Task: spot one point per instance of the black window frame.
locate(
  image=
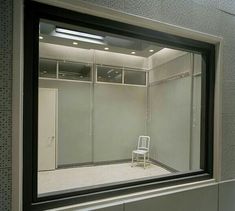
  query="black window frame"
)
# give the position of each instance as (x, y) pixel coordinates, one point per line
(33, 12)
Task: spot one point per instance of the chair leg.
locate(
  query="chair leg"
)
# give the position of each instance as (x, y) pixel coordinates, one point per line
(144, 160)
(132, 159)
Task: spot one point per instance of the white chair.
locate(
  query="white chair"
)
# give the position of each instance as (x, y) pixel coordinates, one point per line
(142, 149)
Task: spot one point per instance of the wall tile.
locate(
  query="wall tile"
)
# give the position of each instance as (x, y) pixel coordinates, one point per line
(110, 208)
(228, 161)
(227, 5)
(6, 11)
(178, 12)
(5, 189)
(203, 199)
(229, 62)
(226, 196)
(227, 28)
(206, 19)
(113, 4)
(211, 3)
(5, 156)
(145, 8)
(228, 124)
(228, 97)
(5, 81)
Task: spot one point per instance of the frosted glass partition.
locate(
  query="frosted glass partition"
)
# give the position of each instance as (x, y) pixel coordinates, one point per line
(119, 118)
(74, 71)
(174, 112)
(135, 77)
(47, 68)
(170, 123)
(109, 74)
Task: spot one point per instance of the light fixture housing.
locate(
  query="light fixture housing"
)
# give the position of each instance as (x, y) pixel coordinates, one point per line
(133, 52)
(79, 34)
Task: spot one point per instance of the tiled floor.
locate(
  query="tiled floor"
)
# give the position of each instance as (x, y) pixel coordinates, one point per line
(79, 177)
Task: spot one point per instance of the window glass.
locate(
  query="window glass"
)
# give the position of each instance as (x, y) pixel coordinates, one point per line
(134, 77)
(47, 68)
(109, 74)
(139, 119)
(74, 71)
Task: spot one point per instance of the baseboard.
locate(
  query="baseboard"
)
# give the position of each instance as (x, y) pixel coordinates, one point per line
(74, 165)
(163, 165)
(87, 164)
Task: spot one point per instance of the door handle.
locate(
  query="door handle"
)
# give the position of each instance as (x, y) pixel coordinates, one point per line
(52, 138)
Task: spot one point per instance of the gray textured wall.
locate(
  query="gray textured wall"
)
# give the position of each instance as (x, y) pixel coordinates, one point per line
(6, 16)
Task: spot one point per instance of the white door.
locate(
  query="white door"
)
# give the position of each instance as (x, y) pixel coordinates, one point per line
(47, 129)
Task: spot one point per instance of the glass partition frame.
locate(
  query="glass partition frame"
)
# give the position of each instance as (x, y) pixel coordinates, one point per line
(64, 79)
(123, 76)
(33, 13)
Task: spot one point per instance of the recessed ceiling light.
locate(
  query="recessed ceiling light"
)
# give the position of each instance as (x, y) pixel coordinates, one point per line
(40, 37)
(106, 48)
(109, 76)
(151, 50)
(75, 43)
(133, 52)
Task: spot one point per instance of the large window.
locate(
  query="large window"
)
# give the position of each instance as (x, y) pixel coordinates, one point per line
(111, 111)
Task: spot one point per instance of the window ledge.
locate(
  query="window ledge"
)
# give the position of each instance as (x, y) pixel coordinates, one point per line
(139, 196)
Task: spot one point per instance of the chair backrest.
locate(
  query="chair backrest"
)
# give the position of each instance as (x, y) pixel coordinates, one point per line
(144, 143)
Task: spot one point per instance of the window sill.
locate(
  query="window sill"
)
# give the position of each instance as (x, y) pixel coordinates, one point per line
(139, 196)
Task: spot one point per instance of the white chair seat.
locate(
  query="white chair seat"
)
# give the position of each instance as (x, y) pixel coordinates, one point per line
(139, 151)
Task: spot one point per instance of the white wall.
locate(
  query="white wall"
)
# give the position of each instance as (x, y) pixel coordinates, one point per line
(170, 109)
(120, 114)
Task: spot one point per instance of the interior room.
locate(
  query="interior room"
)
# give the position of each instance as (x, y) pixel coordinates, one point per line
(113, 109)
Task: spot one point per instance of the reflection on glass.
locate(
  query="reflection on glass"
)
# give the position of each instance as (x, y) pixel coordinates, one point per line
(74, 71)
(134, 77)
(109, 74)
(47, 68)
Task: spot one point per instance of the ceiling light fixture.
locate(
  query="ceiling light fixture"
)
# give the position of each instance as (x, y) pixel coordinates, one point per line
(106, 48)
(77, 33)
(133, 52)
(151, 50)
(40, 37)
(75, 43)
(110, 71)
